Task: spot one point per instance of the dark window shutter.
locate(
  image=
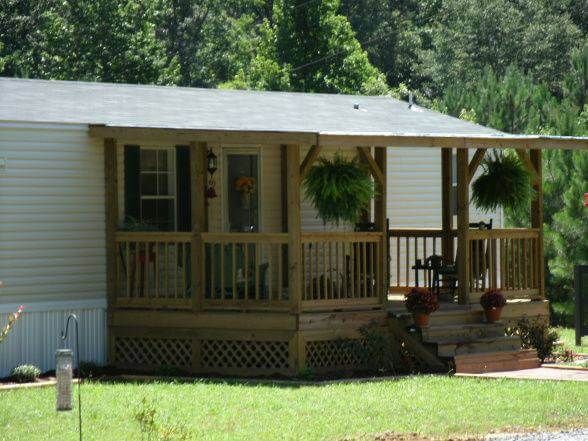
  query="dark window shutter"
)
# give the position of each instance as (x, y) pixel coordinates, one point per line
(183, 203)
(132, 189)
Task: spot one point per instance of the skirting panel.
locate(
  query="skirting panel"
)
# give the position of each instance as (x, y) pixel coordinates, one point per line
(35, 337)
(243, 354)
(332, 355)
(200, 351)
(153, 352)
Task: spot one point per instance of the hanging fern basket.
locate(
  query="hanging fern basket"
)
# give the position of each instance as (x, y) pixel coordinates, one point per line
(339, 189)
(504, 182)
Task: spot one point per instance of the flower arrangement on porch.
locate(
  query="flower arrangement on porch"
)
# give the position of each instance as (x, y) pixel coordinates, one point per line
(421, 302)
(339, 189)
(504, 182)
(245, 185)
(492, 301)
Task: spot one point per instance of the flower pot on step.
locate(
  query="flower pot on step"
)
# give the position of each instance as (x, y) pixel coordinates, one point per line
(421, 319)
(492, 314)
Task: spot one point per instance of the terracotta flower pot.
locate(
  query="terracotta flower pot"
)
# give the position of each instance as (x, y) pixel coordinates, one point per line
(492, 314)
(421, 319)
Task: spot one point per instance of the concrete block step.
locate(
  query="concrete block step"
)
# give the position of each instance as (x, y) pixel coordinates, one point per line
(480, 346)
(496, 361)
(461, 333)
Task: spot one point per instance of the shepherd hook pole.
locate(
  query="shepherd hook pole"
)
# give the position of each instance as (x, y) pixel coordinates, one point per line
(64, 337)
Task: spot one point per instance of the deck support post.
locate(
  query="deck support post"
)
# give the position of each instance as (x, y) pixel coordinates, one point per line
(380, 219)
(463, 220)
(294, 226)
(537, 217)
(447, 248)
(199, 219)
(111, 211)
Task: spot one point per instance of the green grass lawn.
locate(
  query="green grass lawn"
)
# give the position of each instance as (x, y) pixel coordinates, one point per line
(430, 405)
(568, 336)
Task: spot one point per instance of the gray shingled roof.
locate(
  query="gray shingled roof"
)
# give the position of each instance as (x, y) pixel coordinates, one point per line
(190, 108)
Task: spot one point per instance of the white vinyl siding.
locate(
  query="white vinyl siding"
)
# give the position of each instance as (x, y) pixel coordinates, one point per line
(414, 189)
(52, 243)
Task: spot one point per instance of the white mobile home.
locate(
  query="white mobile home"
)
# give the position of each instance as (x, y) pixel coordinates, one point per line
(78, 160)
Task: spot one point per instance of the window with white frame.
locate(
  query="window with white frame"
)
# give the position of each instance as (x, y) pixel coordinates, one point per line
(157, 177)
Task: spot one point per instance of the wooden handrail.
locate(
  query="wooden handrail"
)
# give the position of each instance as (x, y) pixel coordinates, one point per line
(351, 236)
(245, 238)
(505, 233)
(418, 232)
(152, 236)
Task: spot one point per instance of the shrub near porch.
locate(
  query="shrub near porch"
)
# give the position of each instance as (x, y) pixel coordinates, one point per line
(430, 405)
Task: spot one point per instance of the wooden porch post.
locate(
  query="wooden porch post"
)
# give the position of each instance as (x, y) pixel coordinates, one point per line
(447, 249)
(199, 219)
(537, 217)
(463, 220)
(294, 226)
(111, 211)
(380, 218)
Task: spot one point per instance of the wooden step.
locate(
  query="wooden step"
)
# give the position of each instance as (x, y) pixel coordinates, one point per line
(496, 361)
(461, 333)
(479, 346)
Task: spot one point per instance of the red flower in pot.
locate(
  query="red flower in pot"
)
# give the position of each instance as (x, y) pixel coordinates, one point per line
(421, 302)
(492, 301)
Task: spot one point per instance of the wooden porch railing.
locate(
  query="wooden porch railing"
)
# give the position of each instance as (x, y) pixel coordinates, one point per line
(245, 270)
(341, 269)
(407, 245)
(153, 270)
(507, 259)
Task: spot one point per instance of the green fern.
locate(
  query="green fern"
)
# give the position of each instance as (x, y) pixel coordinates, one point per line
(505, 182)
(339, 189)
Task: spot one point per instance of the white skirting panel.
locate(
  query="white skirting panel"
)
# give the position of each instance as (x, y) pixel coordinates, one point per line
(35, 336)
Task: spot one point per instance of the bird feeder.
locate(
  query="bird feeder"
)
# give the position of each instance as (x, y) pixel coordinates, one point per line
(64, 376)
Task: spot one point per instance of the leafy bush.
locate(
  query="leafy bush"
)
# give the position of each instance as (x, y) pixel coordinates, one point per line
(492, 298)
(339, 189)
(537, 336)
(25, 373)
(505, 182)
(421, 300)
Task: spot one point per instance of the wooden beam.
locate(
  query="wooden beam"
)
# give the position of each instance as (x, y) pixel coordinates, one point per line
(475, 163)
(309, 159)
(284, 206)
(348, 140)
(526, 160)
(380, 218)
(185, 136)
(111, 210)
(198, 151)
(447, 248)
(375, 169)
(537, 217)
(294, 226)
(463, 220)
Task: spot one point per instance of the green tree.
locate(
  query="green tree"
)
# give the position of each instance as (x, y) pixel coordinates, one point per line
(388, 34)
(309, 47)
(471, 34)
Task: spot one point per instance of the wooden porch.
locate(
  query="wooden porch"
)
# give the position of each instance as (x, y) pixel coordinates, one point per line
(264, 303)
